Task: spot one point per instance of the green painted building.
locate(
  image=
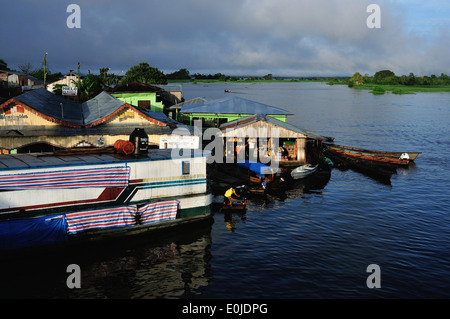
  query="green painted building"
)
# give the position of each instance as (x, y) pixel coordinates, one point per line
(140, 94)
(217, 112)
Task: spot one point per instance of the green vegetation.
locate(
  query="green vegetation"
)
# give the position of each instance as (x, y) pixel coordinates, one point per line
(378, 90)
(381, 82)
(386, 80)
(144, 73)
(38, 73)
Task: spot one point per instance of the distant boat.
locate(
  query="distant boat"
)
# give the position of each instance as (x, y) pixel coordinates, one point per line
(397, 158)
(304, 171)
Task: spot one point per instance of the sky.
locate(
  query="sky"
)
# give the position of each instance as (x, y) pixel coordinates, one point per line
(291, 38)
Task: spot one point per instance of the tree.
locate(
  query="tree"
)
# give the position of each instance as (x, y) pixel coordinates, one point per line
(89, 87)
(50, 77)
(144, 73)
(411, 79)
(108, 78)
(3, 65)
(182, 74)
(381, 76)
(26, 68)
(357, 79)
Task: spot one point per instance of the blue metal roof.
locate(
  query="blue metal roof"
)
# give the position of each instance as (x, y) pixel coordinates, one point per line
(81, 114)
(100, 107)
(53, 105)
(233, 105)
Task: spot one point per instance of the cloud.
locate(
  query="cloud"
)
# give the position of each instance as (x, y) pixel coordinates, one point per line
(285, 37)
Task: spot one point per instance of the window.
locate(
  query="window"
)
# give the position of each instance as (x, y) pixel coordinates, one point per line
(144, 104)
(186, 168)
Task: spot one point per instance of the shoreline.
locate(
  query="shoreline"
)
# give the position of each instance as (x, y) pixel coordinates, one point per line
(388, 88)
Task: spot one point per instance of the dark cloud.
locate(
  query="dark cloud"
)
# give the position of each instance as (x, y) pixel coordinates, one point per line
(286, 37)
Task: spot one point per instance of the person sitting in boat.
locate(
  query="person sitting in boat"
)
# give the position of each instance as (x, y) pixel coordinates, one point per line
(229, 196)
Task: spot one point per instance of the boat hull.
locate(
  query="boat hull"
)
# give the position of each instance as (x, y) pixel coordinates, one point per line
(87, 199)
(397, 158)
(303, 171)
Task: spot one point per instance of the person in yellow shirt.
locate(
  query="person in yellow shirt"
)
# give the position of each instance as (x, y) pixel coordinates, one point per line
(228, 200)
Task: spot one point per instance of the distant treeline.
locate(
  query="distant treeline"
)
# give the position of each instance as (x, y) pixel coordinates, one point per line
(387, 77)
(144, 73)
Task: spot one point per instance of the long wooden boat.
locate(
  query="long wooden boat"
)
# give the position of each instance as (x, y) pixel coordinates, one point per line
(397, 158)
(50, 200)
(381, 172)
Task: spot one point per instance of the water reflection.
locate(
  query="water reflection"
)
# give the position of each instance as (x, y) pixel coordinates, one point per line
(174, 268)
(267, 201)
(165, 265)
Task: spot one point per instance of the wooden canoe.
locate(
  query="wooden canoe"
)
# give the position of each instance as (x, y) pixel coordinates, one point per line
(398, 158)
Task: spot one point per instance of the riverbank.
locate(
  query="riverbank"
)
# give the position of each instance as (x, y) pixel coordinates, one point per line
(372, 87)
(395, 88)
(401, 89)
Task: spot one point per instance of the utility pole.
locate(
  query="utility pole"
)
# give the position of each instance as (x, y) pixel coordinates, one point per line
(45, 70)
(79, 83)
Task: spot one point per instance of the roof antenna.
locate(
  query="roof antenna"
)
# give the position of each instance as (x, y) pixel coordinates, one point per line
(62, 110)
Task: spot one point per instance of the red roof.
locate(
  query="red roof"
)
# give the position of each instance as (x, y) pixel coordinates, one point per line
(136, 87)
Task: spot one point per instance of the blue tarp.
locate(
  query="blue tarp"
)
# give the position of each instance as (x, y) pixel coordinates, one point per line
(32, 232)
(256, 167)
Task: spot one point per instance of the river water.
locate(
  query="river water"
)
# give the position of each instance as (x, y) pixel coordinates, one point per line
(315, 243)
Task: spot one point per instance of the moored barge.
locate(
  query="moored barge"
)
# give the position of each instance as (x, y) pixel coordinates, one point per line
(46, 199)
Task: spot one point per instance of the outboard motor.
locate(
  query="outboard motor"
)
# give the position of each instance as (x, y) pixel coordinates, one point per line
(140, 140)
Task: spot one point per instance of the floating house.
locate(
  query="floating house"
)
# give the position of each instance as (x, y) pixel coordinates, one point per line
(156, 98)
(40, 121)
(256, 132)
(175, 110)
(57, 200)
(229, 109)
(140, 94)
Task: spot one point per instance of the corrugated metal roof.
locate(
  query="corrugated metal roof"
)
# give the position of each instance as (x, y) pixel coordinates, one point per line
(154, 115)
(53, 106)
(100, 107)
(115, 129)
(196, 100)
(242, 122)
(171, 87)
(89, 113)
(233, 105)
